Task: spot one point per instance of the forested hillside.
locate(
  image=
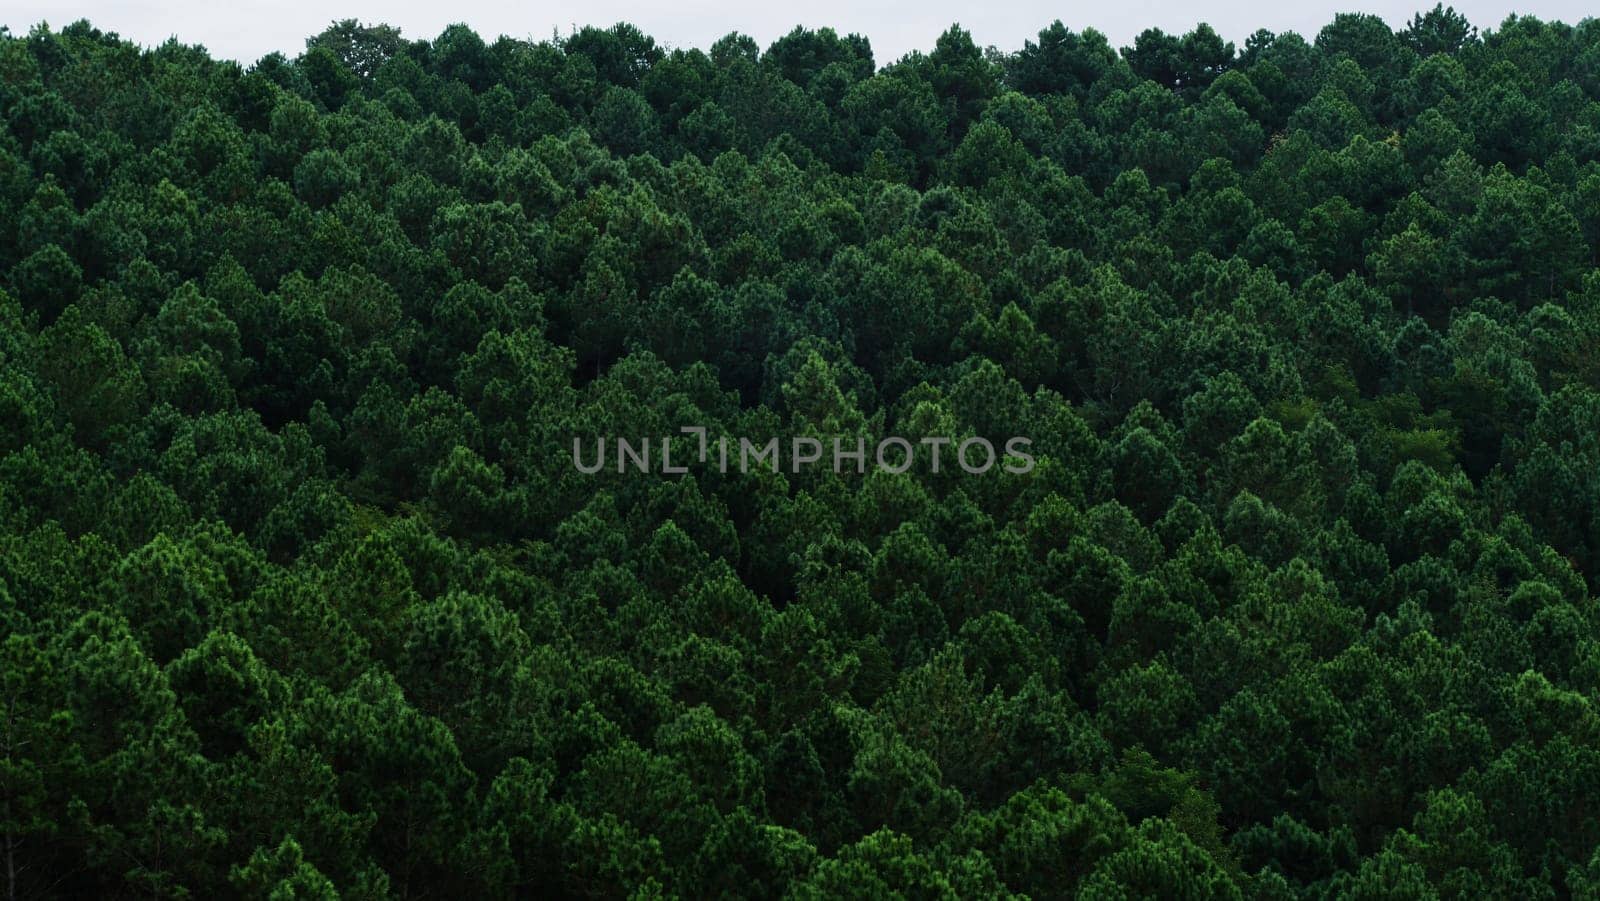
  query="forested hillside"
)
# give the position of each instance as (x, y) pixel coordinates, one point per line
(302, 595)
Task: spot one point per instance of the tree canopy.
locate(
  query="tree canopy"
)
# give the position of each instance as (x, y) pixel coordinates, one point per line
(301, 594)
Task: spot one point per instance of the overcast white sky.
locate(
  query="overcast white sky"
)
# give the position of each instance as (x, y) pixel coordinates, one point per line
(245, 30)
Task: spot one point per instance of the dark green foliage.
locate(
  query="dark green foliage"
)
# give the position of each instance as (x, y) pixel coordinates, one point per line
(302, 596)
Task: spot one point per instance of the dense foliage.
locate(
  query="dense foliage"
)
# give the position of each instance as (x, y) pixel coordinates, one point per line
(302, 595)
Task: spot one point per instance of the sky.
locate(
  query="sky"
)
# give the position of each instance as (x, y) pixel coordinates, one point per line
(246, 30)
